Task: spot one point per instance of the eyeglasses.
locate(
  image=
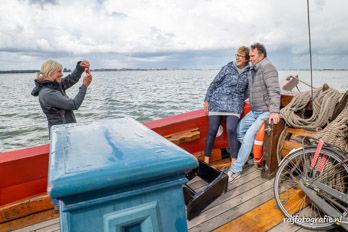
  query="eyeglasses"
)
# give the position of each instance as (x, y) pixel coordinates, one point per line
(239, 55)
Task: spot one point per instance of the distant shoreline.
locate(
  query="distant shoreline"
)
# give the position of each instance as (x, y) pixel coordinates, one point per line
(157, 69)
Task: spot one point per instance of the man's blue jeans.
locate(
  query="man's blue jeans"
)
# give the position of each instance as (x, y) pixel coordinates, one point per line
(246, 132)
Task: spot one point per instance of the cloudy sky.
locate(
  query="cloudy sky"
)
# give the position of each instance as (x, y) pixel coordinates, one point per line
(169, 33)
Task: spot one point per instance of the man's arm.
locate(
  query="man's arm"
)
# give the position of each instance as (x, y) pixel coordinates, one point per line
(273, 90)
(247, 92)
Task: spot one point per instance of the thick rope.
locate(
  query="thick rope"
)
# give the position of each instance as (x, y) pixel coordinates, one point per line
(323, 108)
(335, 133)
(323, 105)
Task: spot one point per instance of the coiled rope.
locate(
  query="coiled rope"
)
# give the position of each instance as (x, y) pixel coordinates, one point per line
(323, 104)
(335, 133)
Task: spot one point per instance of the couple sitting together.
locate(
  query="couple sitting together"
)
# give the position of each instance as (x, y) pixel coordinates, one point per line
(225, 97)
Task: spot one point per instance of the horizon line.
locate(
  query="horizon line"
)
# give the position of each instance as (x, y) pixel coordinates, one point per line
(163, 69)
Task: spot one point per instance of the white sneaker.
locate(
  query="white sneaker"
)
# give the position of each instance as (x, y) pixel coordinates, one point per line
(229, 174)
(232, 176)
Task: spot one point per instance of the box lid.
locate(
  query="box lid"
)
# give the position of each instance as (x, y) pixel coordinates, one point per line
(110, 153)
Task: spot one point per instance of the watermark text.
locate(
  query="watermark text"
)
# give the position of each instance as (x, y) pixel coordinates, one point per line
(313, 220)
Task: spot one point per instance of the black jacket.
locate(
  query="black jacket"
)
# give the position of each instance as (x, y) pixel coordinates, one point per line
(54, 102)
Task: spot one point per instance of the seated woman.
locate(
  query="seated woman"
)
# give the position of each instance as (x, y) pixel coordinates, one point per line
(225, 98)
(50, 87)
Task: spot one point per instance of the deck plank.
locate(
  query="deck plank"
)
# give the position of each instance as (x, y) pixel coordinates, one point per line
(51, 228)
(242, 207)
(257, 219)
(226, 206)
(27, 221)
(39, 226)
(238, 190)
(284, 227)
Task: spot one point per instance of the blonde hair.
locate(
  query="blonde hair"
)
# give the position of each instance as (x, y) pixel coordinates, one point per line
(47, 68)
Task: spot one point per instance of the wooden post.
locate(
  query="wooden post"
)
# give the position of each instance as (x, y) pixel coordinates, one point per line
(270, 162)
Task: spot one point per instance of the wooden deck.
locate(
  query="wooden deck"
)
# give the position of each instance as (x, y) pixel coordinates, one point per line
(247, 206)
(240, 208)
(46, 226)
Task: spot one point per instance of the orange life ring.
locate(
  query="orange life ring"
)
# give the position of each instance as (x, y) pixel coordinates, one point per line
(257, 149)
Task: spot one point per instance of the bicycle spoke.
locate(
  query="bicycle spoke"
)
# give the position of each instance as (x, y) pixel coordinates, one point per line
(305, 166)
(296, 167)
(298, 206)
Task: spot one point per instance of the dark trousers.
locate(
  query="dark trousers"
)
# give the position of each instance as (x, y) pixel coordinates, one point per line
(231, 126)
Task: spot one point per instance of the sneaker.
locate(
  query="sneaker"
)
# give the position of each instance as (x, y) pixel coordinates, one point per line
(232, 176)
(250, 162)
(258, 166)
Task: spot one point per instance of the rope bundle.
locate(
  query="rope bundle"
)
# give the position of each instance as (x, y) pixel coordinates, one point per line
(324, 103)
(335, 133)
(323, 108)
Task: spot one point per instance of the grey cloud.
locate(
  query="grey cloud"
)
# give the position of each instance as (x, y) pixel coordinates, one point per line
(282, 58)
(119, 14)
(36, 53)
(140, 34)
(42, 3)
(319, 4)
(206, 52)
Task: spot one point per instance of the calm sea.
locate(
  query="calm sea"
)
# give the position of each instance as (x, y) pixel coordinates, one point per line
(142, 95)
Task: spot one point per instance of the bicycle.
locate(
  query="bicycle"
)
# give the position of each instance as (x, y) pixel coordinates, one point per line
(311, 186)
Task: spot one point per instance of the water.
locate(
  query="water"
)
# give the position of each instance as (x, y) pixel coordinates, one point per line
(143, 95)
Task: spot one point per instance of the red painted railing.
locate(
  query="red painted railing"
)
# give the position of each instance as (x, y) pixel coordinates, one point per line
(23, 173)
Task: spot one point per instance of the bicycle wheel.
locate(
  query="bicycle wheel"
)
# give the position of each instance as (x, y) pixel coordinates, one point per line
(292, 201)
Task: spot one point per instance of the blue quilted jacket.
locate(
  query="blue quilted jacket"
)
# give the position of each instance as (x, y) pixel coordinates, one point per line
(227, 91)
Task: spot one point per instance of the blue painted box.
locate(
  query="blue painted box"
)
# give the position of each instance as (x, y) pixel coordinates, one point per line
(117, 175)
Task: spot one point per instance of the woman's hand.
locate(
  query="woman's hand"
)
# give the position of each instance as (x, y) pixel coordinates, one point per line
(87, 80)
(85, 64)
(205, 106)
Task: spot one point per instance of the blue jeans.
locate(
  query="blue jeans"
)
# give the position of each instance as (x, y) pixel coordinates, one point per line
(246, 132)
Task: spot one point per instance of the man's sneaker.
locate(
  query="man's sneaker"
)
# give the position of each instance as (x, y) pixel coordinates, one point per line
(232, 176)
(250, 162)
